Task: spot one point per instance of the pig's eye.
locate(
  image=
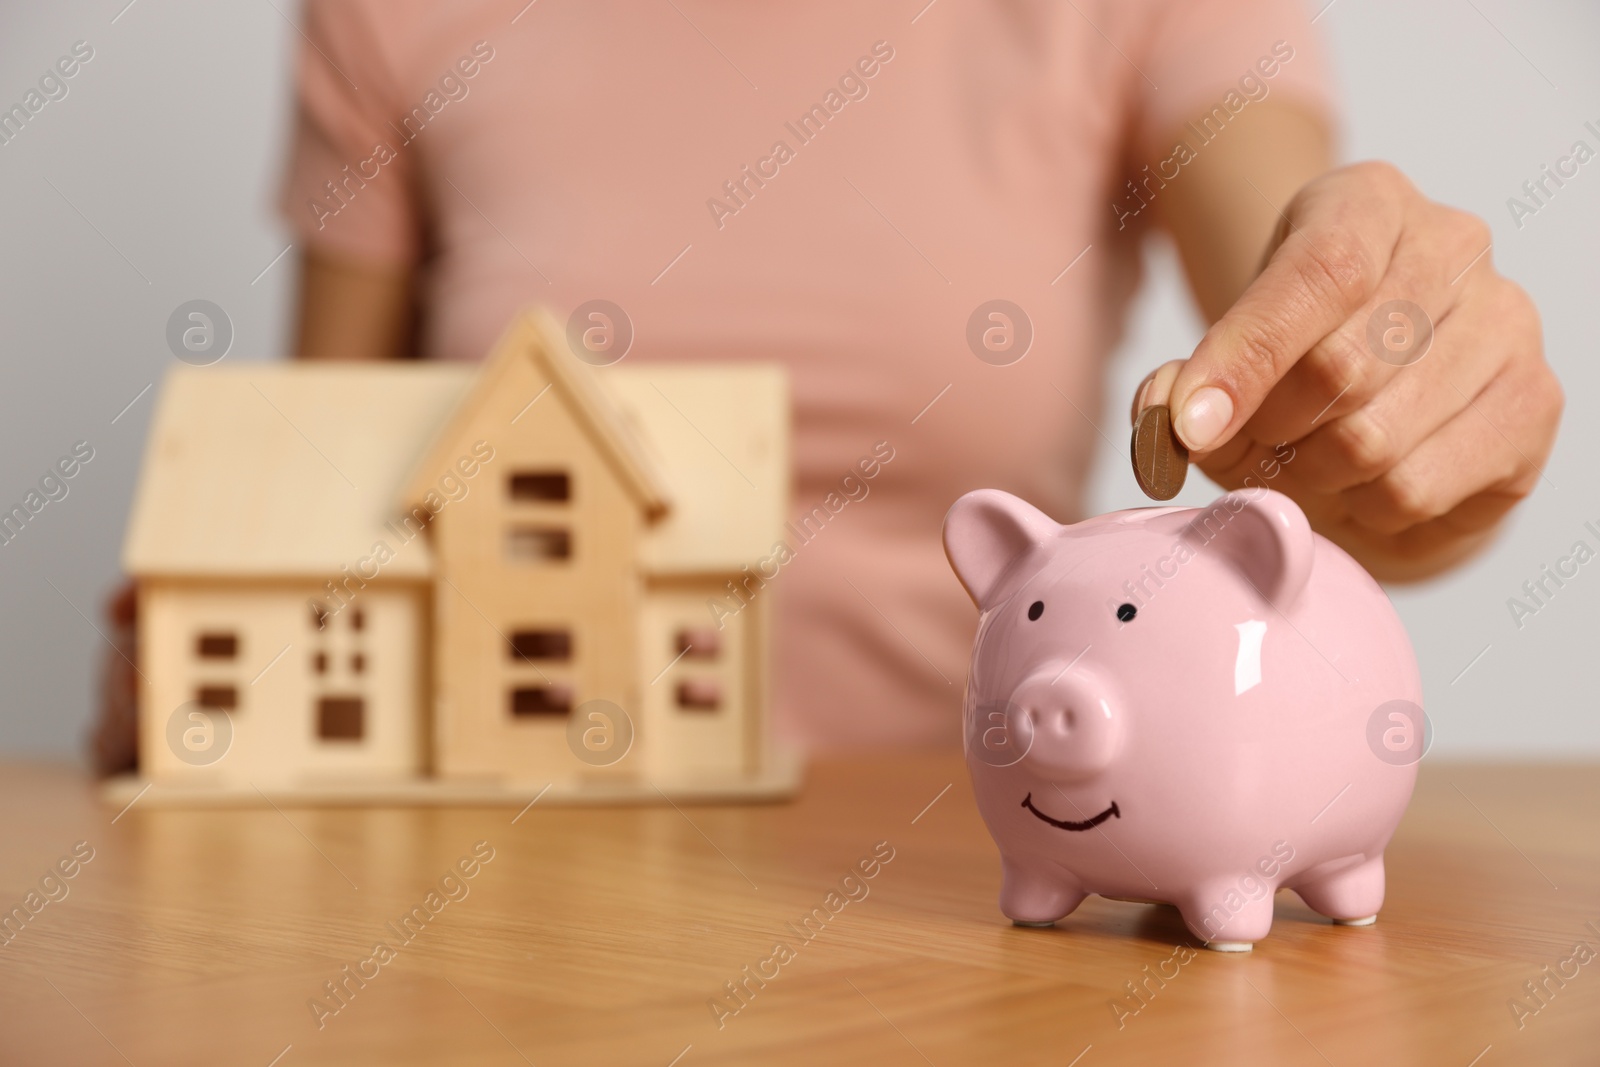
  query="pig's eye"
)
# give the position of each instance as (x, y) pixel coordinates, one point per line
(1035, 610)
(1126, 612)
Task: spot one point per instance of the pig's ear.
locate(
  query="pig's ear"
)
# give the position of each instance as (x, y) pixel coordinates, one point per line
(984, 533)
(1262, 534)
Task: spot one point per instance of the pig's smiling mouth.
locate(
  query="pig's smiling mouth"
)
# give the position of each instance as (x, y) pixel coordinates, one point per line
(1061, 824)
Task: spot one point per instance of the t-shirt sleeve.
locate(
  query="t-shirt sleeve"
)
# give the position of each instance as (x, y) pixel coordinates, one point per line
(350, 188)
(1198, 52)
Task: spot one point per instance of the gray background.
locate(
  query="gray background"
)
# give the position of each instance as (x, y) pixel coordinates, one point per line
(164, 157)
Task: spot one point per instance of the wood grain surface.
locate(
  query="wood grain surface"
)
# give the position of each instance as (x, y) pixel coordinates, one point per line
(604, 936)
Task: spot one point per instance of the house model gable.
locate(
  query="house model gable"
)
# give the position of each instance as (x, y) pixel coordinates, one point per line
(532, 355)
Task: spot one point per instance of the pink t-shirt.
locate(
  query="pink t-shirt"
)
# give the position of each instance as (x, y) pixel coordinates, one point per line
(837, 186)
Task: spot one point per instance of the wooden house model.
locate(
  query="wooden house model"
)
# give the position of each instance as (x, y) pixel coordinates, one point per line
(440, 582)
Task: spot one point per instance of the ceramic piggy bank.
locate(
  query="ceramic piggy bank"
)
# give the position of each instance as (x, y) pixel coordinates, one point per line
(1187, 706)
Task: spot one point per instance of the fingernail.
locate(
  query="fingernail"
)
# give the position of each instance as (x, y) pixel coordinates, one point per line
(1141, 401)
(1204, 417)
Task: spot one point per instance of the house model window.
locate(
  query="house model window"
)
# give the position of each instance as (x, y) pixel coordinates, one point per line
(527, 645)
(539, 543)
(541, 486)
(218, 697)
(341, 718)
(541, 700)
(695, 643)
(700, 694)
(217, 646)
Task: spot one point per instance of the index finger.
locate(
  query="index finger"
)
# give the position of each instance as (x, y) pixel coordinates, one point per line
(1342, 231)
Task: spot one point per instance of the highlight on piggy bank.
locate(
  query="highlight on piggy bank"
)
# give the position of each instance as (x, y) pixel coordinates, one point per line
(1189, 706)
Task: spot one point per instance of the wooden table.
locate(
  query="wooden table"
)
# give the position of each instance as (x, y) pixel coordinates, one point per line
(600, 936)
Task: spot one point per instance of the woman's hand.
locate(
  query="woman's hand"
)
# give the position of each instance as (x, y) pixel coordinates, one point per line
(1407, 376)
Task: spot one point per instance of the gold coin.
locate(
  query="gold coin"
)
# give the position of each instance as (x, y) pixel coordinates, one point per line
(1160, 462)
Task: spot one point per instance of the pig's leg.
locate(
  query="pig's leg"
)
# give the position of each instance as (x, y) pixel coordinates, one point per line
(1350, 897)
(1034, 893)
(1224, 918)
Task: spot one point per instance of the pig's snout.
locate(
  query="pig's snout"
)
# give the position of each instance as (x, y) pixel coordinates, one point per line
(1068, 722)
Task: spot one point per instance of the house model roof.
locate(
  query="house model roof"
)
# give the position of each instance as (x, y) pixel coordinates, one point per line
(292, 469)
(283, 469)
(720, 436)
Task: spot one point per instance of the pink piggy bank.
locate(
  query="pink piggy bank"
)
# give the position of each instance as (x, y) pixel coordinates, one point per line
(1187, 706)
